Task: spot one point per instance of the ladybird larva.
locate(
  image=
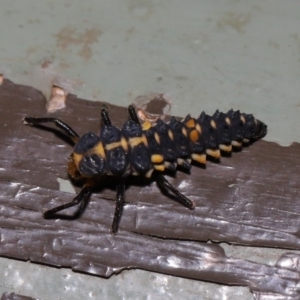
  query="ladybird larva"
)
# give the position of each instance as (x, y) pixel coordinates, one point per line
(150, 149)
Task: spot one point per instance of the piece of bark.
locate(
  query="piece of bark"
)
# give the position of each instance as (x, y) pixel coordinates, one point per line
(250, 198)
(13, 296)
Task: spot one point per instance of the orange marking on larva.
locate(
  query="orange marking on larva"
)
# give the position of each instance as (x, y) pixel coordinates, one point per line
(190, 123)
(159, 167)
(124, 144)
(243, 119)
(213, 124)
(114, 145)
(135, 141)
(157, 158)
(157, 138)
(226, 148)
(149, 173)
(198, 128)
(213, 153)
(170, 133)
(72, 170)
(145, 141)
(236, 144)
(146, 125)
(227, 120)
(99, 150)
(194, 135)
(200, 158)
(169, 165)
(77, 158)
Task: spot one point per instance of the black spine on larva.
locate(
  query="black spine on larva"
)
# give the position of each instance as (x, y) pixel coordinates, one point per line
(198, 146)
(92, 165)
(110, 134)
(139, 156)
(153, 145)
(116, 158)
(86, 142)
(248, 127)
(209, 131)
(131, 129)
(236, 125)
(223, 128)
(167, 145)
(181, 141)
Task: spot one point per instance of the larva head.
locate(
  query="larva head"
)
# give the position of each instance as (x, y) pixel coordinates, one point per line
(261, 130)
(89, 156)
(253, 128)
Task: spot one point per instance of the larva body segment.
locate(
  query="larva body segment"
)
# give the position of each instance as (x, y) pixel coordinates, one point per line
(138, 150)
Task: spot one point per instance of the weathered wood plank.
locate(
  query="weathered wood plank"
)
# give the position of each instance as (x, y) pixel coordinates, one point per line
(251, 198)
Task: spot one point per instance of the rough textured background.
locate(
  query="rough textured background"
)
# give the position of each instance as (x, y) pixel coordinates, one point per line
(204, 55)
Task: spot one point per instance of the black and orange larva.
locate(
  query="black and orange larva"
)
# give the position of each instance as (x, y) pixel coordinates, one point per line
(150, 149)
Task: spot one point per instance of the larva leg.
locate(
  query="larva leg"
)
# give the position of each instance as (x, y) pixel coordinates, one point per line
(120, 186)
(119, 206)
(165, 184)
(59, 124)
(82, 196)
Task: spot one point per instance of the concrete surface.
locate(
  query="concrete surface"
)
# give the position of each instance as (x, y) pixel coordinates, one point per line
(203, 55)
